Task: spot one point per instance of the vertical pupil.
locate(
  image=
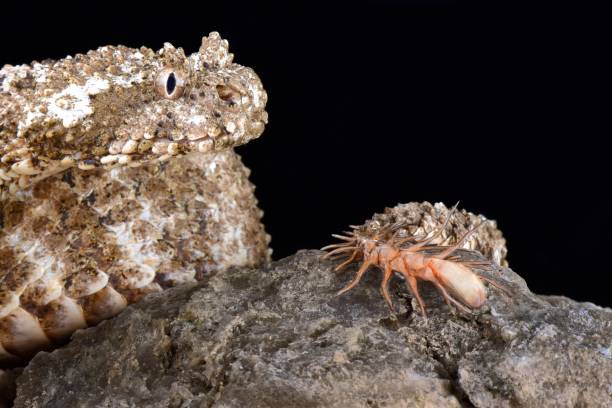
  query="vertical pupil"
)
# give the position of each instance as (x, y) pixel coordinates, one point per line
(170, 84)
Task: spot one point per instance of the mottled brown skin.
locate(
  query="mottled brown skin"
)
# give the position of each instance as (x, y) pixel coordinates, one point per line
(112, 107)
(131, 189)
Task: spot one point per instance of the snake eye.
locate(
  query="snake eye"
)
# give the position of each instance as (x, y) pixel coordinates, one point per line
(170, 83)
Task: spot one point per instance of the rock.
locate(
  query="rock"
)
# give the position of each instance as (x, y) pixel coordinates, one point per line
(279, 336)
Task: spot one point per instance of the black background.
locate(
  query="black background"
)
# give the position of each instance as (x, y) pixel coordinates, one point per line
(376, 103)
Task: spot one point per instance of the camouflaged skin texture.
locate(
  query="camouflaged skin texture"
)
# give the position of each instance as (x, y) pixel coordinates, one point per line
(115, 186)
(119, 106)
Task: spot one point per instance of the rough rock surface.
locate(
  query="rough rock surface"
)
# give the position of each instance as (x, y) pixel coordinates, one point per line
(278, 337)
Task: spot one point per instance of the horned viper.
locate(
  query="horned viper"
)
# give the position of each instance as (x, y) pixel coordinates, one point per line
(117, 179)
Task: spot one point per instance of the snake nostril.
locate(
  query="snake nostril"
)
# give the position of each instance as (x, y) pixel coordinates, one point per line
(228, 94)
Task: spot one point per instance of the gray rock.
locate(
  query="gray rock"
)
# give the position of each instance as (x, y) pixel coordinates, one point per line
(280, 337)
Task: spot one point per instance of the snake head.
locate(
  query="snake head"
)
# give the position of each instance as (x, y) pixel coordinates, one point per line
(120, 106)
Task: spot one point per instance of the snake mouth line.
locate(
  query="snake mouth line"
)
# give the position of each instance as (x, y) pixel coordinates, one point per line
(132, 154)
(135, 153)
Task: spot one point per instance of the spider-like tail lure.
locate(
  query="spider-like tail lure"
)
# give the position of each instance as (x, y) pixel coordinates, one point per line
(415, 259)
